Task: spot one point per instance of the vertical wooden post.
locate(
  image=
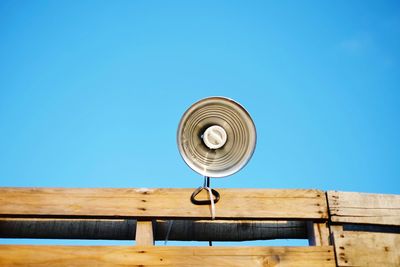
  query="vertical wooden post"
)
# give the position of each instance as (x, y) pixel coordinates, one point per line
(318, 234)
(144, 233)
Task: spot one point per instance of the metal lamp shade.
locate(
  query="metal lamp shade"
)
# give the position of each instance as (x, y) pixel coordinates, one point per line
(240, 137)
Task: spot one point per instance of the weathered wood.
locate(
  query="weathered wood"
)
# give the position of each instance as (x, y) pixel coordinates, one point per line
(366, 249)
(318, 234)
(349, 207)
(125, 229)
(144, 233)
(161, 203)
(17, 255)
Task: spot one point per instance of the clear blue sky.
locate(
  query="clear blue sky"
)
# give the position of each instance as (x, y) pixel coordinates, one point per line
(91, 92)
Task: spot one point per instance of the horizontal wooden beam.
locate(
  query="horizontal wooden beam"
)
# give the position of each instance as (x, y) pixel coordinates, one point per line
(366, 249)
(125, 229)
(161, 203)
(21, 255)
(349, 207)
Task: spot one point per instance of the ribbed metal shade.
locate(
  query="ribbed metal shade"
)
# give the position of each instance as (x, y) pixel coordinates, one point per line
(240, 137)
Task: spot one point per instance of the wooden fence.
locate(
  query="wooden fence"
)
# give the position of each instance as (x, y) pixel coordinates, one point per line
(343, 228)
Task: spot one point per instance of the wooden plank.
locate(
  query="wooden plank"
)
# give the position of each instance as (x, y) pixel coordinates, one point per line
(17, 255)
(161, 203)
(125, 229)
(350, 207)
(318, 234)
(144, 233)
(366, 249)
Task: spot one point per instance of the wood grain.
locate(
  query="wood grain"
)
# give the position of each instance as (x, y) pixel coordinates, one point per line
(366, 249)
(161, 203)
(349, 207)
(17, 255)
(144, 233)
(318, 234)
